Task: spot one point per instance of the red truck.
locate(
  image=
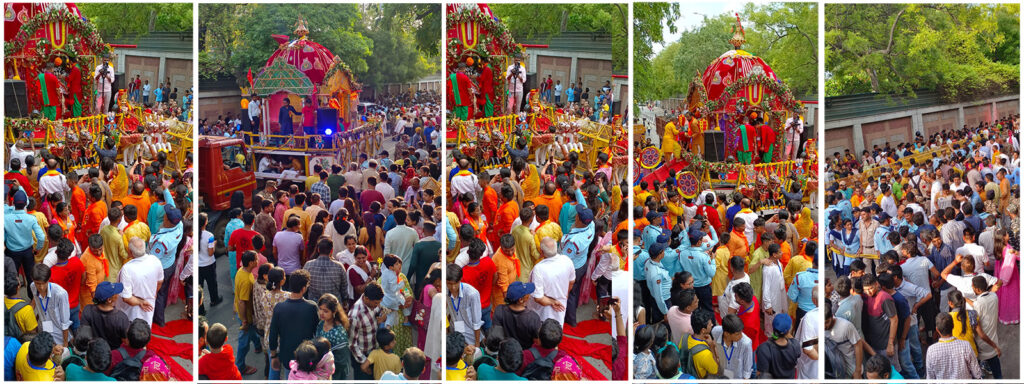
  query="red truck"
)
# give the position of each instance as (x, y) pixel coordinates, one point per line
(224, 167)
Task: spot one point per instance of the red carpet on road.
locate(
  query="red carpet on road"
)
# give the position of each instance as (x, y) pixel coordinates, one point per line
(167, 349)
(579, 349)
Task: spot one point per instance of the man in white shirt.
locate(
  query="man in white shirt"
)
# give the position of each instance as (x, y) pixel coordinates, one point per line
(104, 78)
(807, 334)
(794, 128)
(553, 277)
(963, 283)
(464, 181)
(254, 114)
(142, 277)
(52, 181)
(515, 76)
(385, 187)
(972, 249)
(888, 202)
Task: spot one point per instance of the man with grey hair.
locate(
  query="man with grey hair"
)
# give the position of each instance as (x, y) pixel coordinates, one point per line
(142, 277)
(553, 277)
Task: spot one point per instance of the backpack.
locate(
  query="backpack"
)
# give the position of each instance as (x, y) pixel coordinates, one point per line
(541, 367)
(835, 367)
(686, 358)
(73, 359)
(11, 327)
(130, 367)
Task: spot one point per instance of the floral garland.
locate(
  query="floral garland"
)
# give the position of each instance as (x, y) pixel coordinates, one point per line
(774, 88)
(499, 33)
(90, 37)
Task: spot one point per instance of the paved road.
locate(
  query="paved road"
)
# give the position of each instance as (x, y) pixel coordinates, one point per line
(224, 313)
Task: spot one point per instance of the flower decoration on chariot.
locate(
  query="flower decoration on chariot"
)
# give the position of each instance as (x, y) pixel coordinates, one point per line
(717, 79)
(757, 70)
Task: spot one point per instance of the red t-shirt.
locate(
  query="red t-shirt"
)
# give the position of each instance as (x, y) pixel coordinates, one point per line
(219, 366)
(767, 137)
(69, 277)
(481, 277)
(241, 239)
(308, 115)
(752, 323)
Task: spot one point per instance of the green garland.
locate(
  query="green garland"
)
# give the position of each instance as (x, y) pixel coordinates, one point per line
(774, 88)
(90, 36)
(499, 33)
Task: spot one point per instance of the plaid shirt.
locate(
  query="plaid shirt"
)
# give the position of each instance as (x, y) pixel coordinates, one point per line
(362, 330)
(952, 358)
(327, 276)
(321, 188)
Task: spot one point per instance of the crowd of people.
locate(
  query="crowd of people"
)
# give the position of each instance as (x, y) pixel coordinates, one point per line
(924, 247)
(93, 259)
(723, 289)
(529, 247)
(334, 277)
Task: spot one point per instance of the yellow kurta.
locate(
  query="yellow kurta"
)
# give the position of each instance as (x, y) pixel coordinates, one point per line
(531, 183)
(721, 278)
(669, 145)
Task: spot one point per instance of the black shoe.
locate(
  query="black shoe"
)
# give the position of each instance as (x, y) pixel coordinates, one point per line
(216, 301)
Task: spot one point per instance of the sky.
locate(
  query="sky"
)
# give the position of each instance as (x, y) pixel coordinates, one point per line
(691, 15)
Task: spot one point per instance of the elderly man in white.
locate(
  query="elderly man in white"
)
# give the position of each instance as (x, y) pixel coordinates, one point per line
(553, 277)
(142, 277)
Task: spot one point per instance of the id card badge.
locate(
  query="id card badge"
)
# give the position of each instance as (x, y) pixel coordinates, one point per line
(460, 326)
(48, 326)
(730, 374)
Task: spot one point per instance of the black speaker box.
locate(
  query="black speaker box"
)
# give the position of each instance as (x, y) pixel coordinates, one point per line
(15, 99)
(714, 146)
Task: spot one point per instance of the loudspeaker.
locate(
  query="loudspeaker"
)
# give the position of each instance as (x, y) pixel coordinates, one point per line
(326, 118)
(15, 99)
(714, 146)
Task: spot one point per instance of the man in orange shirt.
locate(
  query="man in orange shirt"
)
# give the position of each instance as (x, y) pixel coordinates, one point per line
(506, 265)
(506, 214)
(78, 199)
(96, 267)
(94, 215)
(738, 245)
(489, 201)
(786, 250)
(551, 198)
(139, 197)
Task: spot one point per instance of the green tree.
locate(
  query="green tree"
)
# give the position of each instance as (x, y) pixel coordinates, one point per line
(965, 51)
(380, 43)
(529, 20)
(783, 34)
(648, 22)
(114, 20)
(786, 37)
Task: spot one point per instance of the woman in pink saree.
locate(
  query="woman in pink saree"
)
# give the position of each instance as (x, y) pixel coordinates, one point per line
(1008, 272)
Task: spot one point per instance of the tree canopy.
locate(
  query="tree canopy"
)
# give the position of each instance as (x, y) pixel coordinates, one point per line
(528, 20)
(964, 51)
(381, 43)
(114, 20)
(783, 34)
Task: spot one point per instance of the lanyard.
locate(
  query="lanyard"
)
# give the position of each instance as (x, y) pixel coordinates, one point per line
(744, 312)
(728, 353)
(454, 305)
(48, 287)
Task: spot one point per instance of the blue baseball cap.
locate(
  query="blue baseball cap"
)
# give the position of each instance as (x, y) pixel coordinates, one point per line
(782, 323)
(517, 290)
(106, 290)
(657, 248)
(584, 214)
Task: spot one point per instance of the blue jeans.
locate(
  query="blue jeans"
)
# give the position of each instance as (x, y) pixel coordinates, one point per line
(914, 341)
(245, 337)
(908, 370)
(996, 367)
(75, 322)
(485, 315)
